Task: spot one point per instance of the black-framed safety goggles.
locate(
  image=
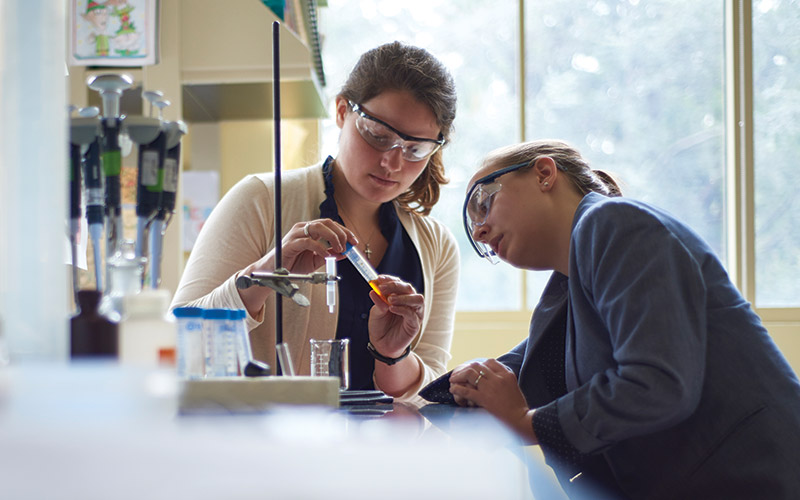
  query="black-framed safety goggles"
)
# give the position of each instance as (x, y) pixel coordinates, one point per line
(383, 137)
(477, 204)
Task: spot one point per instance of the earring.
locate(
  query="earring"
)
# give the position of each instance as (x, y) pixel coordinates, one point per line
(546, 184)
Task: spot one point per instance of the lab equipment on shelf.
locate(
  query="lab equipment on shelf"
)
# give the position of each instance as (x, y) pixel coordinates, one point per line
(97, 144)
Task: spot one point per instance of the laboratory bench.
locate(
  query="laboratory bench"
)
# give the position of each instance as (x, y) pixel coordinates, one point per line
(100, 430)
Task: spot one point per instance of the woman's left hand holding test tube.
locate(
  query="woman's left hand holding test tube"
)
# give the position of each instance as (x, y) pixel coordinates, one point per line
(394, 324)
(392, 327)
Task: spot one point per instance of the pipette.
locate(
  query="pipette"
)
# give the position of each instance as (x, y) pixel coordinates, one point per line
(149, 134)
(363, 267)
(166, 205)
(110, 87)
(83, 131)
(74, 205)
(93, 184)
(330, 270)
(156, 222)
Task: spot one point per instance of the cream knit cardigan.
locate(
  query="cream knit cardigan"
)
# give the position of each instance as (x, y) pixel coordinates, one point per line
(240, 231)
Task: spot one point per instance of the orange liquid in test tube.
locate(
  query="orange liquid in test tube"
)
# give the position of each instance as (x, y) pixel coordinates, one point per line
(364, 268)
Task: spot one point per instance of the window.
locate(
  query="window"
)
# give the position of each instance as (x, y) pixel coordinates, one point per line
(776, 99)
(638, 86)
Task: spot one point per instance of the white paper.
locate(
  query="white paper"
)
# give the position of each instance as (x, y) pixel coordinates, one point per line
(200, 196)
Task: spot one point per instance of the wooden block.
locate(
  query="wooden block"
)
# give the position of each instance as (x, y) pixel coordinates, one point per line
(248, 395)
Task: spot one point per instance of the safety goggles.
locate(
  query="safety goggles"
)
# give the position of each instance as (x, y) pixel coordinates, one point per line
(479, 202)
(383, 137)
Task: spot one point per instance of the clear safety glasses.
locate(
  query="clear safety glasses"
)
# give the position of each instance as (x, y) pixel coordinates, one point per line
(383, 137)
(477, 205)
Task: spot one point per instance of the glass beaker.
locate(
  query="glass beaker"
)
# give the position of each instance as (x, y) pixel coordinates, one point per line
(331, 358)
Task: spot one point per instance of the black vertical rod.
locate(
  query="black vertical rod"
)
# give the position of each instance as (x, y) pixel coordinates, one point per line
(276, 112)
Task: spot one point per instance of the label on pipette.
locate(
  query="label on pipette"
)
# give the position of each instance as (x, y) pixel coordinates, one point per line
(363, 267)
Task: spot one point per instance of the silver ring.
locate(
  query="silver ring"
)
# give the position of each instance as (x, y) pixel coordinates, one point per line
(480, 376)
(305, 229)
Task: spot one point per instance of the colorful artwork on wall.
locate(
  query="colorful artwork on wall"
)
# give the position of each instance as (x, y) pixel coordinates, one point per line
(113, 32)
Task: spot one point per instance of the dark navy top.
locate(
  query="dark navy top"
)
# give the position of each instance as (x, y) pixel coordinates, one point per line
(401, 259)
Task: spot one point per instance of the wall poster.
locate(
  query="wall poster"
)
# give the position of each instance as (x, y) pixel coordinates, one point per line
(113, 32)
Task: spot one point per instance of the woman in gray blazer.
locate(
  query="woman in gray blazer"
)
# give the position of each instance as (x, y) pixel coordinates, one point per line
(645, 374)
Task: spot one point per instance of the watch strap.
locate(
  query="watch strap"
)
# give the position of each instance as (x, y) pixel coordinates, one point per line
(385, 359)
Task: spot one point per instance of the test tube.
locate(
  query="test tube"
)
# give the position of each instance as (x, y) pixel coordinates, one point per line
(330, 270)
(191, 360)
(363, 266)
(244, 353)
(285, 359)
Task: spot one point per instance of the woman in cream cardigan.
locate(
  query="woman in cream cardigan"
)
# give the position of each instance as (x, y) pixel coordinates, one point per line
(395, 113)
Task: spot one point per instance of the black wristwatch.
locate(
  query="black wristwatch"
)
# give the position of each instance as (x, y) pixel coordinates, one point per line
(383, 359)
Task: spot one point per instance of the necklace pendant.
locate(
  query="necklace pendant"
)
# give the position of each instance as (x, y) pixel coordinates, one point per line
(368, 252)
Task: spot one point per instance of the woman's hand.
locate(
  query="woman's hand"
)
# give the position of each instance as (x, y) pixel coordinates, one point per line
(491, 385)
(303, 250)
(462, 374)
(306, 245)
(393, 325)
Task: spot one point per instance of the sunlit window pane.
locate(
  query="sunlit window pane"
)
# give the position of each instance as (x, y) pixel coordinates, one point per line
(637, 87)
(776, 82)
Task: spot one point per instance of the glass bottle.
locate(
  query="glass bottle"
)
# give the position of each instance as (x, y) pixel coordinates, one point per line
(125, 272)
(91, 333)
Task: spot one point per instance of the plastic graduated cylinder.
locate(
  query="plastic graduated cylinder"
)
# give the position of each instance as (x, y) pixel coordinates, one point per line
(219, 343)
(363, 266)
